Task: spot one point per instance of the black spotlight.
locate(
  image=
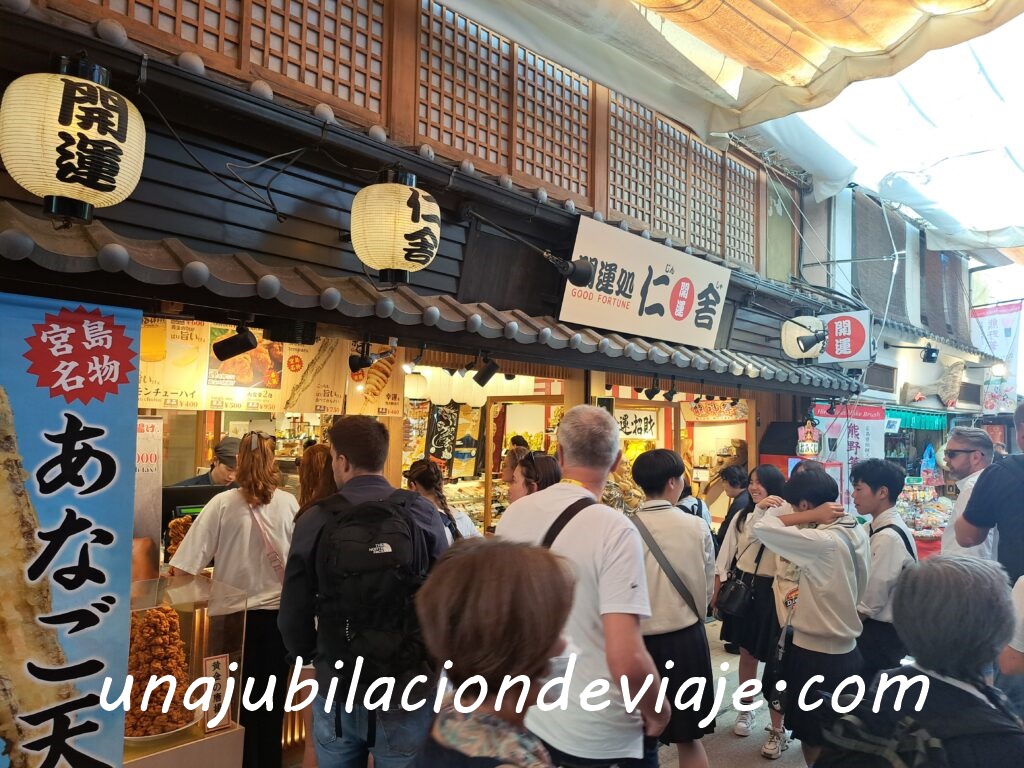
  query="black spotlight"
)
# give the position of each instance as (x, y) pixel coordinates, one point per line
(360, 360)
(930, 354)
(638, 390)
(735, 402)
(831, 410)
(486, 373)
(652, 392)
(580, 272)
(810, 341)
(697, 399)
(243, 341)
(510, 377)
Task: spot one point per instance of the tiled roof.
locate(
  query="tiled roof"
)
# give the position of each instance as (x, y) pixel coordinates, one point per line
(92, 248)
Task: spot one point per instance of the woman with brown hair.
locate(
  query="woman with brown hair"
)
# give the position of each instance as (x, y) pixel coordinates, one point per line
(248, 531)
(316, 483)
(480, 594)
(533, 472)
(425, 478)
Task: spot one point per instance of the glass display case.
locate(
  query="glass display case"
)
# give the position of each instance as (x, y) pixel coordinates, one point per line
(185, 627)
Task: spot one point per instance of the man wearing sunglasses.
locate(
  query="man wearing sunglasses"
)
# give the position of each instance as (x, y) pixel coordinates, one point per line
(222, 470)
(969, 451)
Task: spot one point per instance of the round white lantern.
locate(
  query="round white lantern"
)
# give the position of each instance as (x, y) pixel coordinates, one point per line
(76, 143)
(396, 228)
(439, 386)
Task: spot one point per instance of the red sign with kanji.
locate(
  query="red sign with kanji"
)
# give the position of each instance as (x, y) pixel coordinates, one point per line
(80, 355)
(848, 337)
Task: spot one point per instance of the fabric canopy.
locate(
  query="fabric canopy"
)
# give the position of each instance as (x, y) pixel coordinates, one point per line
(717, 66)
(943, 138)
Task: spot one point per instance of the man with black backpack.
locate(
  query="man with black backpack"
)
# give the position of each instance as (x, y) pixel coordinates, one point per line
(356, 561)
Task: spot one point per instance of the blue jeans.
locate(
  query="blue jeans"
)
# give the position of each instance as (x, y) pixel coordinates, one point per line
(342, 738)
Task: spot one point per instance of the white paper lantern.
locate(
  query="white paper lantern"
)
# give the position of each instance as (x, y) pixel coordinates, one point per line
(71, 141)
(476, 396)
(396, 229)
(439, 386)
(416, 387)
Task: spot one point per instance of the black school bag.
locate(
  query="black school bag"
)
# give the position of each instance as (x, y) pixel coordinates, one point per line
(371, 558)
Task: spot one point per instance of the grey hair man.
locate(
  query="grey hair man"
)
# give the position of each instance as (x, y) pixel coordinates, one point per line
(610, 598)
(969, 452)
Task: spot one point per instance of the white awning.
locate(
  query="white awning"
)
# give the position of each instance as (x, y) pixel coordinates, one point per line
(943, 138)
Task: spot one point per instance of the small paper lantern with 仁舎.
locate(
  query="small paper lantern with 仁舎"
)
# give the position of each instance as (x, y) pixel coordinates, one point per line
(72, 141)
(396, 228)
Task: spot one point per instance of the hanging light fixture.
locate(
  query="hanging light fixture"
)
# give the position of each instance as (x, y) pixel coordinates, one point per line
(486, 373)
(243, 341)
(652, 392)
(71, 140)
(410, 366)
(670, 395)
(396, 228)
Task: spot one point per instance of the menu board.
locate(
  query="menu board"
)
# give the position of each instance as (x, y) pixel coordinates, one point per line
(442, 426)
(180, 372)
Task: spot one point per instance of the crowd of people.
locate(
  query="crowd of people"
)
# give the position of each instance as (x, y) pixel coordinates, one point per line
(369, 582)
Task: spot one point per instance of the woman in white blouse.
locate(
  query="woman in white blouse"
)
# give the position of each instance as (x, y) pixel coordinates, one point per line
(248, 532)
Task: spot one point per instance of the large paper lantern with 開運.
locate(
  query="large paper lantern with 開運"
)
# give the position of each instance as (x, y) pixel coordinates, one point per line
(72, 141)
(396, 228)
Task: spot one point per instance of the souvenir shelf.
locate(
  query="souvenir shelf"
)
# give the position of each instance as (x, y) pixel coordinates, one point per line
(925, 512)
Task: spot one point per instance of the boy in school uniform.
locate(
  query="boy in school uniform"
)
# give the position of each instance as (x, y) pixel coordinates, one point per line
(876, 486)
(831, 554)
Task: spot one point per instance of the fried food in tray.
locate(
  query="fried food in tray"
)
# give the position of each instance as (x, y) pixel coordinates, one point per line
(156, 648)
(176, 530)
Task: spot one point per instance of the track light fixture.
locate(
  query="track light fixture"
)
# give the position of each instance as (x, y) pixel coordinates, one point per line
(486, 373)
(638, 390)
(735, 402)
(831, 410)
(652, 391)
(410, 366)
(361, 359)
(811, 340)
(243, 341)
(510, 377)
(607, 387)
(697, 399)
(929, 354)
(671, 393)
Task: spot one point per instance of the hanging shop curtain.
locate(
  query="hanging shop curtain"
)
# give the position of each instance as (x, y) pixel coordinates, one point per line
(936, 422)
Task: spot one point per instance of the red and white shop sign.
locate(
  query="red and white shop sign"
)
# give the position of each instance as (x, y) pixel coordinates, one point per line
(849, 337)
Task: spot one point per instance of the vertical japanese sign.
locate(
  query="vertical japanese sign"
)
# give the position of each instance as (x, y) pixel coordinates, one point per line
(645, 288)
(852, 434)
(149, 461)
(68, 405)
(442, 424)
(996, 330)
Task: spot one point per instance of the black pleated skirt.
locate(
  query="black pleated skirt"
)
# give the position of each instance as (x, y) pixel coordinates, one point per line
(688, 649)
(758, 629)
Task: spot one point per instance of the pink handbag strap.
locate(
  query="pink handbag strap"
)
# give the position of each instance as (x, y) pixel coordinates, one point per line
(272, 554)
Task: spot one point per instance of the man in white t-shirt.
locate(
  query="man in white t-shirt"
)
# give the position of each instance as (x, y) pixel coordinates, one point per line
(969, 451)
(605, 550)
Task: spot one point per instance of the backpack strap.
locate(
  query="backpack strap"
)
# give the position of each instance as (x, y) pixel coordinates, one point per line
(563, 520)
(903, 535)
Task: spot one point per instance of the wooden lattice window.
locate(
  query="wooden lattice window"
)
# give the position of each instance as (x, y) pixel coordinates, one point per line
(706, 198)
(630, 157)
(670, 191)
(333, 46)
(214, 25)
(740, 212)
(465, 85)
(552, 139)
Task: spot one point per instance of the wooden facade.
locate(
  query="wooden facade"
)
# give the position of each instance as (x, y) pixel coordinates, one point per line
(431, 76)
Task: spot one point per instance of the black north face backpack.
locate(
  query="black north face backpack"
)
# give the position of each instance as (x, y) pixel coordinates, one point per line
(370, 560)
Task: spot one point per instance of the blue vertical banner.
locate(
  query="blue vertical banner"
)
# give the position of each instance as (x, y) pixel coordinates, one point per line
(68, 413)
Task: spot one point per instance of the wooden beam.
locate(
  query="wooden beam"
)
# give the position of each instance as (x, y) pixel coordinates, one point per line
(402, 76)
